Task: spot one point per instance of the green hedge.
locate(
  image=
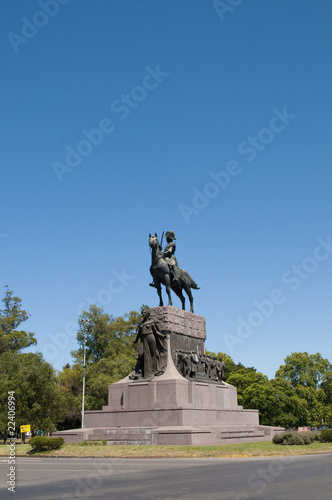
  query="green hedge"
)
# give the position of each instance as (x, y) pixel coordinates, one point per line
(326, 436)
(293, 438)
(44, 443)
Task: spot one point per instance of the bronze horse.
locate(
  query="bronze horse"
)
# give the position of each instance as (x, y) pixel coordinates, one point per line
(161, 275)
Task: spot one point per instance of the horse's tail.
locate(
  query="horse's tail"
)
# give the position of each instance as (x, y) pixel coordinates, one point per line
(191, 283)
(194, 285)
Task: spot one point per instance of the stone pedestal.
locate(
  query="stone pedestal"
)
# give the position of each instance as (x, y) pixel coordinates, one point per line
(187, 331)
(171, 409)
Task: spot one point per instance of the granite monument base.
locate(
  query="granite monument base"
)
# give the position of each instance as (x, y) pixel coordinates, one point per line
(171, 409)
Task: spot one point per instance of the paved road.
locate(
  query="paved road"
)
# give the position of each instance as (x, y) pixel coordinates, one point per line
(287, 478)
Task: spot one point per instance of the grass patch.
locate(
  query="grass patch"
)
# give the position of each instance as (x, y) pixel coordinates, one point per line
(262, 449)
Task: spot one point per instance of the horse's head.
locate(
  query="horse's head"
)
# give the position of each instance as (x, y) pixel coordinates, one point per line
(153, 241)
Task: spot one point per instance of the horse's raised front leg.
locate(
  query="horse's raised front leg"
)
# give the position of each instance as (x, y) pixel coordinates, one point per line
(159, 293)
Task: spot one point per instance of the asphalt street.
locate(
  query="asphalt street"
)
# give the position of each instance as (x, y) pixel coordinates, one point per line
(285, 478)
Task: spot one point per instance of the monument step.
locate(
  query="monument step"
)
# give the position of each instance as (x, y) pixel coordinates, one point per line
(122, 430)
(119, 437)
(130, 443)
(171, 435)
(175, 434)
(224, 437)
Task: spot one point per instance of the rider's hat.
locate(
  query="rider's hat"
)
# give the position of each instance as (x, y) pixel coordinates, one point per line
(170, 234)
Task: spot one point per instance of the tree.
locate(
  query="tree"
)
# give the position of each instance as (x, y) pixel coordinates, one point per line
(327, 415)
(244, 378)
(311, 377)
(11, 317)
(312, 409)
(31, 379)
(277, 402)
(110, 356)
(308, 370)
(37, 397)
(280, 402)
(106, 336)
(70, 387)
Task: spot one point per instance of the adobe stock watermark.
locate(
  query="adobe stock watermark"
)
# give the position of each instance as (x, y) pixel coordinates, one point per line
(265, 476)
(59, 341)
(293, 278)
(249, 148)
(92, 481)
(223, 7)
(12, 444)
(122, 108)
(30, 27)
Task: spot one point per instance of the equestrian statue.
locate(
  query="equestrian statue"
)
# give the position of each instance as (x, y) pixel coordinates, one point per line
(165, 271)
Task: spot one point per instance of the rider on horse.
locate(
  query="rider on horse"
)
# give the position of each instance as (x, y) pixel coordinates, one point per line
(165, 271)
(170, 257)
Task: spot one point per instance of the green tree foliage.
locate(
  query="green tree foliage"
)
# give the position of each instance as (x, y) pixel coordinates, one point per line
(313, 407)
(106, 336)
(37, 397)
(70, 386)
(277, 402)
(244, 378)
(300, 394)
(327, 414)
(11, 317)
(110, 356)
(308, 370)
(311, 376)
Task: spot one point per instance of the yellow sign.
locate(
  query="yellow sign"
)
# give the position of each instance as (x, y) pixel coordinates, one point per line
(25, 428)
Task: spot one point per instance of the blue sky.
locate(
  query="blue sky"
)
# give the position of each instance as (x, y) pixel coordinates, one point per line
(124, 118)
